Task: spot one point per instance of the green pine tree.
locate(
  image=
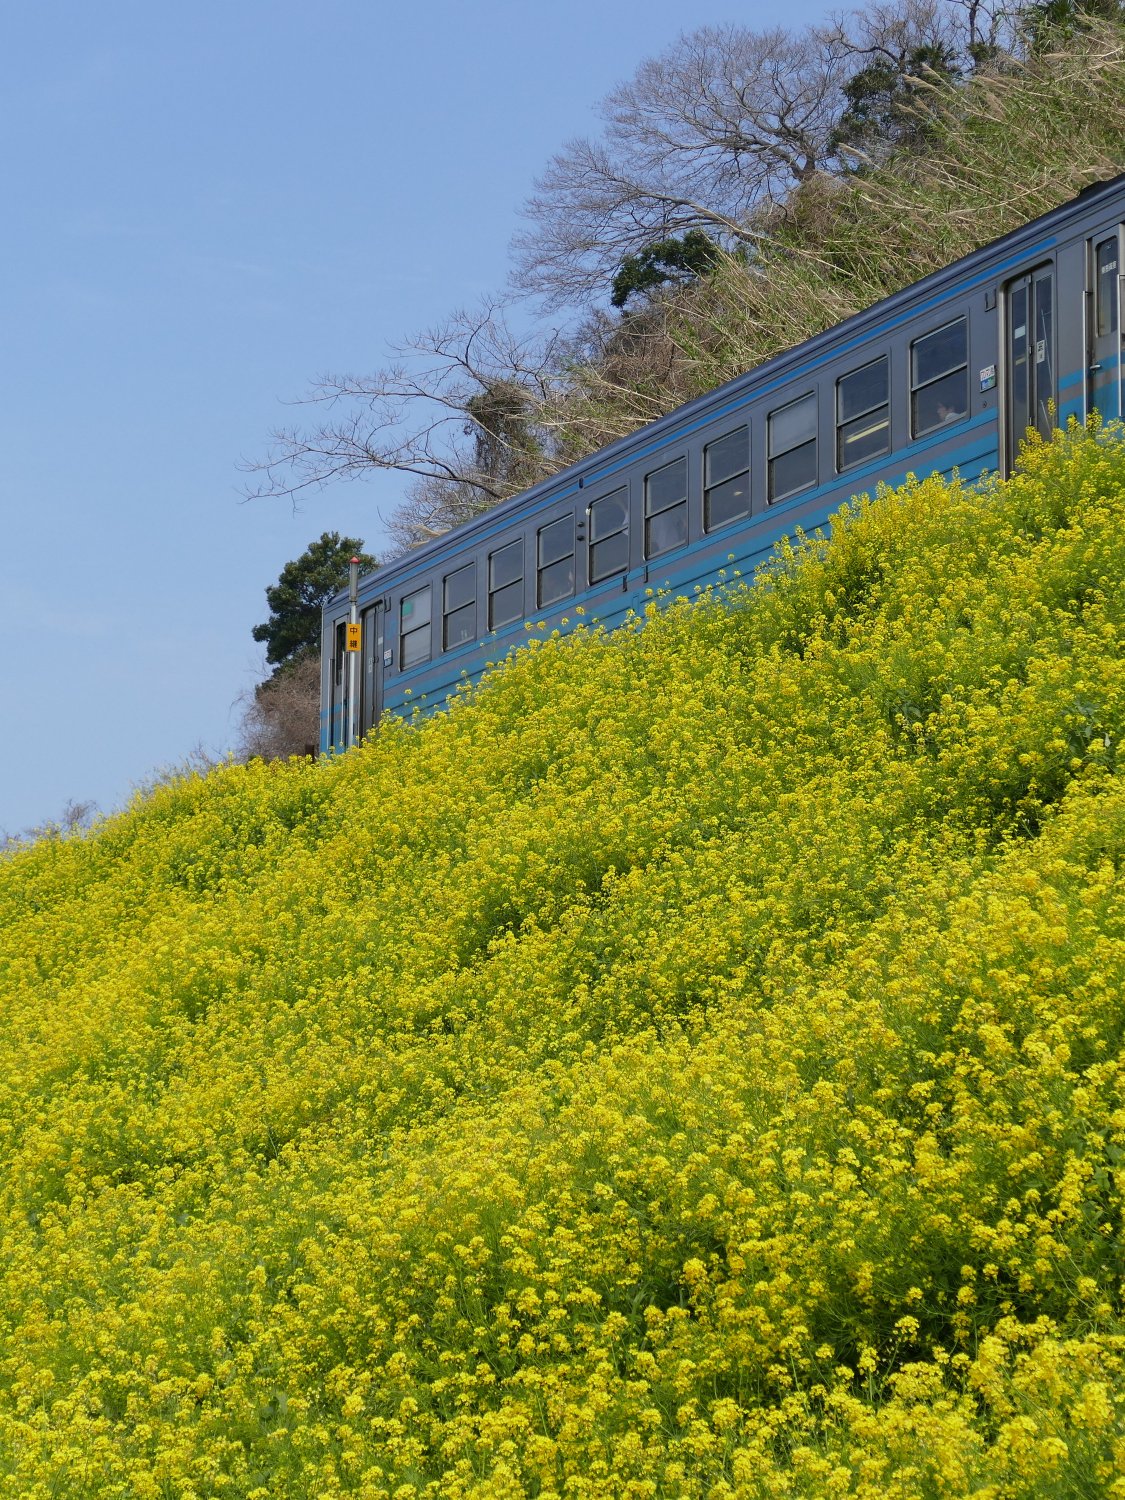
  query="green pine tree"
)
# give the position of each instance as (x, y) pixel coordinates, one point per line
(297, 598)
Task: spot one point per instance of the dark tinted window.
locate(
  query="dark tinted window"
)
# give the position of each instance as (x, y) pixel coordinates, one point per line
(791, 447)
(726, 478)
(862, 391)
(863, 414)
(460, 588)
(556, 540)
(505, 585)
(414, 628)
(939, 378)
(555, 552)
(938, 353)
(609, 515)
(505, 565)
(666, 508)
(459, 607)
(609, 535)
(1106, 289)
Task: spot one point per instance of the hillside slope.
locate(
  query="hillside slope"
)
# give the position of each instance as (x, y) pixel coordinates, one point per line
(1013, 143)
(692, 1066)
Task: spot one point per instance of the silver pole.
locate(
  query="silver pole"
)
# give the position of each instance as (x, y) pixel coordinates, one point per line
(353, 656)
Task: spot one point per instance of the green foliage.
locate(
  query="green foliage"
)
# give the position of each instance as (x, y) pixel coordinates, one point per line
(1054, 23)
(303, 586)
(691, 1066)
(674, 260)
(507, 446)
(891, 104)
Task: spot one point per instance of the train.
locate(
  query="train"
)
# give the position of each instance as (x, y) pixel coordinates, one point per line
(947, 374)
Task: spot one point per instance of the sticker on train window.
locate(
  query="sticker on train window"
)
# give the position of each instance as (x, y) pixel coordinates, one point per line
(988, 378)
(1040, 351)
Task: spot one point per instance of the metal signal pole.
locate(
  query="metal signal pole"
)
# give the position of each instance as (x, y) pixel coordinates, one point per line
(353, 653)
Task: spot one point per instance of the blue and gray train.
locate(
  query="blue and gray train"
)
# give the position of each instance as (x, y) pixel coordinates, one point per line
(949, 373)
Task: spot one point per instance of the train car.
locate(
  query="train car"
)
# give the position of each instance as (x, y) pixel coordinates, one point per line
(949, 373)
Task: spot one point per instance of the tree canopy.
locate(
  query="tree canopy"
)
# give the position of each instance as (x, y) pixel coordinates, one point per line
(747, 189)
(297, 598)
(674, 260)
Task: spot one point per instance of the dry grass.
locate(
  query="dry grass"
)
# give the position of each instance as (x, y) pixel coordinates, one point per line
(1008, 147)
(282, 715)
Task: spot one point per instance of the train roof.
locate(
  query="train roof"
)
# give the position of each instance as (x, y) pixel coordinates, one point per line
(983, 263)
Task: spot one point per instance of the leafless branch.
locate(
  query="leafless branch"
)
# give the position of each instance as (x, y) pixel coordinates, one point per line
(428, 413)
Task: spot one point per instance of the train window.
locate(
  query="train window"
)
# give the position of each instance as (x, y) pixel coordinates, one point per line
(1045, 393)
(939, 378)
(555, 561)
(341, 650)
(1106, 287)
(459, 607)
(863, 414)
(414, 628)
(505, 585)
(609, 535)
(666, 508)
(792, 447)
(726, 479)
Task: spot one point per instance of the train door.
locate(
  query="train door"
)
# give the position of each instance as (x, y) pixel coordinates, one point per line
(371, 701)
(1103, 327)
(1031, 384)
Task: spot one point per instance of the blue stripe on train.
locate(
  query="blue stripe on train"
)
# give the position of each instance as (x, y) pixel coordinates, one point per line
(427, 687)
(672, 435)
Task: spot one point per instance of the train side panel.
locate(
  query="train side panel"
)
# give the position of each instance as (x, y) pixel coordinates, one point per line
(943, 377)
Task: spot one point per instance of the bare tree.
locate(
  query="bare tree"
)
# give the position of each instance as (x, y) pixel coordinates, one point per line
(281, 716)
(725, 121)
(732, 133)
(990, 29)
(894, 30)
(725, 127)
(464, 408)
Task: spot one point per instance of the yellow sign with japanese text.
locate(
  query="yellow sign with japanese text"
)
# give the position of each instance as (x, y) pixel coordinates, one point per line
(355, 637)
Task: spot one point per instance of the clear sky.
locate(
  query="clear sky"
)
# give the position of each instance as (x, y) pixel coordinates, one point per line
(206, 206)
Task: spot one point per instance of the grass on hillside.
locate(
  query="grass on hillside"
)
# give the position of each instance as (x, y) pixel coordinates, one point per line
(691, 1066)
(1003, 149)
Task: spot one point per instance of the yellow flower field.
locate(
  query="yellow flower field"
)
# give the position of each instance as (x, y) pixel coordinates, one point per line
(691, 1066)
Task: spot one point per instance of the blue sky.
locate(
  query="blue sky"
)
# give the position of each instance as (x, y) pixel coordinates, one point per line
(206, 207)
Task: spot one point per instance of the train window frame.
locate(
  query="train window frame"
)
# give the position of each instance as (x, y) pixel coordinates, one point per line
(774, 456)
(875, 417)
(599, 541)
(458, 615)
(1106, 296)
(423, 624)
(511, 588)
(711, 484)
(931, 382)
(553, 563)
(677, 507)
(340, 651)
